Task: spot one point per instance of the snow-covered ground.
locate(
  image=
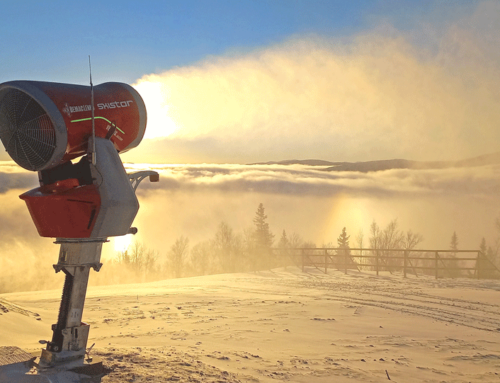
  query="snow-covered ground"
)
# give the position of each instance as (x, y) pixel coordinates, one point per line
(282, 325)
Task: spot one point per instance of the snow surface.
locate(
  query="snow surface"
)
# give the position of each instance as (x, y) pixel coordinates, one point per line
(281, 325)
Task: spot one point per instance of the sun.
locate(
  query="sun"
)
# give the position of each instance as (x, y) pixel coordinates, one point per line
(155, 96)
(122, 243)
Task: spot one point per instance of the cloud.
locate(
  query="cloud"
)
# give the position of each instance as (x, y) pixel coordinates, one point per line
(379, 94)
(13, 177)
(192, 199)
(301, 180)
(297, 180)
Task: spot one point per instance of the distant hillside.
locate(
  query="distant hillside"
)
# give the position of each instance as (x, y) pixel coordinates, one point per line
(373, 166)
(301, 162)
(487, 159)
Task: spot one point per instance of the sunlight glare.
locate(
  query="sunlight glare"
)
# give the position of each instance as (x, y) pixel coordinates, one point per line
(352, 213)
(122, 243)
(155, 96)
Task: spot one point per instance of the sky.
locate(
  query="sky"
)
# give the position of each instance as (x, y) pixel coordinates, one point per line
(231, 83)
(50, 41)
(251, 81)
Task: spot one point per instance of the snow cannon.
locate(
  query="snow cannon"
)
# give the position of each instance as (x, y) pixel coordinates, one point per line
(43, 126)
(46, 127)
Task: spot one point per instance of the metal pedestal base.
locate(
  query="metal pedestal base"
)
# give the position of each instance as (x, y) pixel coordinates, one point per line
(74, 346)
(19, 366)
(70, 334)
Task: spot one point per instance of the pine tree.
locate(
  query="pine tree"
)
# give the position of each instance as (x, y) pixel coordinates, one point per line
(343, 244)
(454, 263)
(284, 243)
(454, 243)
(262, 236)
(492, 255)
(284, 248)
(343, 239)
(483, 247)
(496, 248)
(262, 240)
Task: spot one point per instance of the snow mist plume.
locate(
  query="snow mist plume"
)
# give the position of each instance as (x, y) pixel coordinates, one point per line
(381, 94)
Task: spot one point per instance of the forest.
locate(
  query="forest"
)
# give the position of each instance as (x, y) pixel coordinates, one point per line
(258, 248)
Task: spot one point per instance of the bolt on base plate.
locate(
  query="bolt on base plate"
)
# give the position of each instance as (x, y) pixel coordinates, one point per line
(18, 366)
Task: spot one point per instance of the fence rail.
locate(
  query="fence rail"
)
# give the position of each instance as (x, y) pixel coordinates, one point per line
(440, 263)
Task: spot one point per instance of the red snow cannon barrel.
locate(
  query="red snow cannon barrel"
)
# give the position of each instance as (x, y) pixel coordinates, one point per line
(44, 124)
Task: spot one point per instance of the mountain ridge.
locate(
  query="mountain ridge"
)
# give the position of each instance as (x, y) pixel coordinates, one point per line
(379, 165)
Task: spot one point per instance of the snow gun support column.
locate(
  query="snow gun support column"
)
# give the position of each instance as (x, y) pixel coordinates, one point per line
(110, 206)
(70, 334)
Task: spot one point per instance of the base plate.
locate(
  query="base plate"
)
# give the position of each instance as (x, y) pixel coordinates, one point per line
(18, 366)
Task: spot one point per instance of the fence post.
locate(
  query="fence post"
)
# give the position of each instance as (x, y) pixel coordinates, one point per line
(303, 261)
(345, 261)
(478, 261)
(376, 261)
(436, 264)
(361, 259)
(405, 255)
(326, 261)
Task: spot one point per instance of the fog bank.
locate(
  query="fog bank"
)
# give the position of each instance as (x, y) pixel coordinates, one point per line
(191, 201)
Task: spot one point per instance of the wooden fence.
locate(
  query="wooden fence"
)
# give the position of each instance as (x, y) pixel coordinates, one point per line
(439, 263)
